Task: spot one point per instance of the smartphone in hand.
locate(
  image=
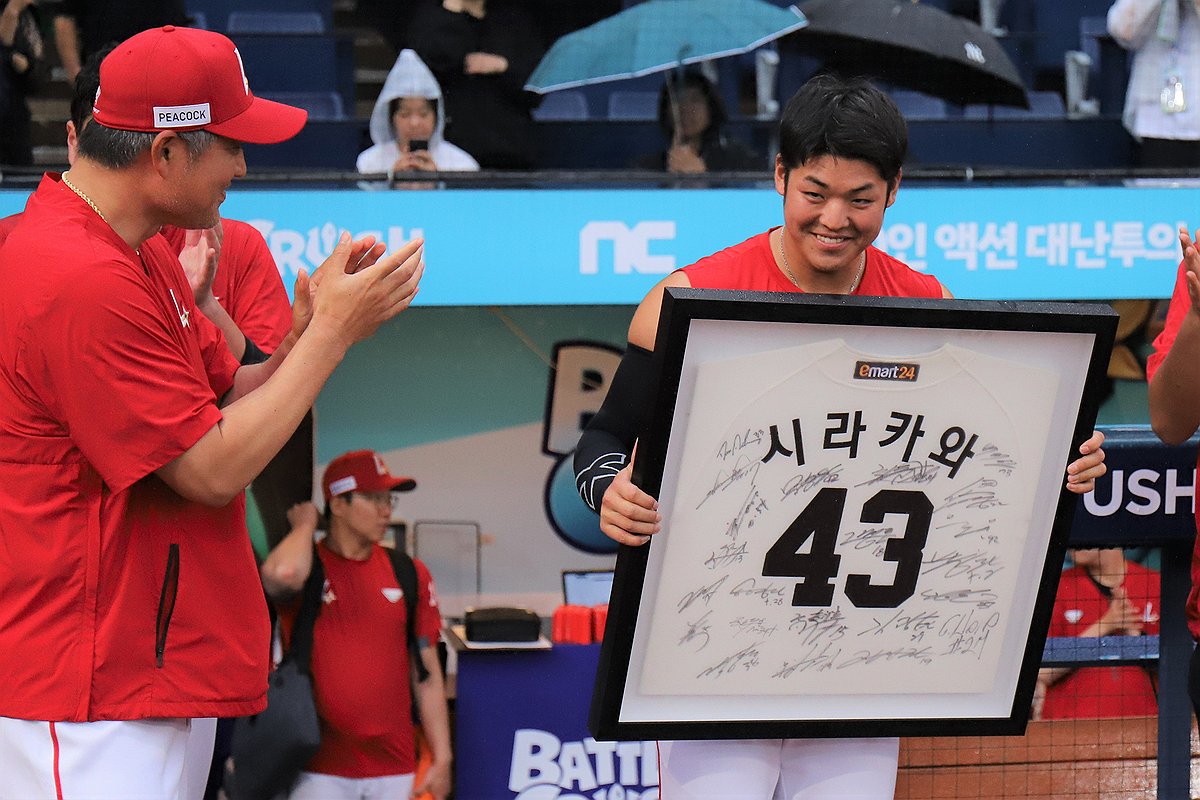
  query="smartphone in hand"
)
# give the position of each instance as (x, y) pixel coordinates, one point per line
(417, 144)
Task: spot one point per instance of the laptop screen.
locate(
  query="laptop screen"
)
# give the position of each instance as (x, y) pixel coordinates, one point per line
(587, 587)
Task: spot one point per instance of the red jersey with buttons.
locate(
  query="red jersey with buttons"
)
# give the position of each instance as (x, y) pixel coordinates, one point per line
(119, 599)
(751, 266)
(361, 668)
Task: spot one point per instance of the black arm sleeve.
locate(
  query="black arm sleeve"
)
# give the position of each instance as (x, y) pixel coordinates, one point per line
(253, 354)
(606, 443)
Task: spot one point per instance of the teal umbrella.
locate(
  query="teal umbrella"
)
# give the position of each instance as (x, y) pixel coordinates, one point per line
(658, 35)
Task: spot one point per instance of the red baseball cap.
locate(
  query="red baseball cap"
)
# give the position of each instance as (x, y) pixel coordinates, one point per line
(174, 78)
(361, 471)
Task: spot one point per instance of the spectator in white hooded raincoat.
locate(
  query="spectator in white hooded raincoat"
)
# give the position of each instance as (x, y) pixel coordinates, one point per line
(407, 125)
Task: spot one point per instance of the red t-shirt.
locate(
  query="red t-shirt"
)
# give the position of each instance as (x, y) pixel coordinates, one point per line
(7, 224)
(1093, 692)
(119, 599)
(750, 266)
(1181, 305)
(247, 283)
(360, 665)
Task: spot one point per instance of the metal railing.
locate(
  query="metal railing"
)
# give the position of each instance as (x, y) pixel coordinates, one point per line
(28, 177)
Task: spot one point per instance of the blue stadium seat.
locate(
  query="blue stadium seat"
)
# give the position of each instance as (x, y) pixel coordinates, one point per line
(918, 105)
(1056, 23)
(1108, 78)
(629, 105)
(289, 62)
(199, 20)
(275, 22)
(322, 144)
(1042, 105)
(319, 105)
(1091, 31)
(567, 105)
(217, 12)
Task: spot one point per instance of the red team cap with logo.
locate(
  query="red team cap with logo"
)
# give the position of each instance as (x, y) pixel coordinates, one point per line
(187, 79)
(361, 471)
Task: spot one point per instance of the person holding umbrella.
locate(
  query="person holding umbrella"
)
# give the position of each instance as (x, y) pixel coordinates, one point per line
(842, 144)
(690, 113)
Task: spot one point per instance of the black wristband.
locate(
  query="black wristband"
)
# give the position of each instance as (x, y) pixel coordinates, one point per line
(252, 354)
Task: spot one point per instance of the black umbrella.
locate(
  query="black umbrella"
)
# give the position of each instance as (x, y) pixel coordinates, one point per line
(914, 45)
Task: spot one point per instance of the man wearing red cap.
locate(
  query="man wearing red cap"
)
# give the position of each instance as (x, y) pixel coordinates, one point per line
(233, 276)
(130, 607)
(360, 644)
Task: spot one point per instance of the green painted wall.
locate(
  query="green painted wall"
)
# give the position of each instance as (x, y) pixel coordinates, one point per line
(442, 373)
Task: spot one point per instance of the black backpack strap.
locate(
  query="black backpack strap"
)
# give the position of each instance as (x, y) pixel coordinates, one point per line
(406, 576)
(301, 643)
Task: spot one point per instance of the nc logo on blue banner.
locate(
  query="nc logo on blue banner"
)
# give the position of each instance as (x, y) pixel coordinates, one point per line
(630, 247)
(544, 767)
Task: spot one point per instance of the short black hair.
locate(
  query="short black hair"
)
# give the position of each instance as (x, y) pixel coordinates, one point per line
(118, 149)
(843, 118)
(394, 105)
(676, 83)
(87, 83)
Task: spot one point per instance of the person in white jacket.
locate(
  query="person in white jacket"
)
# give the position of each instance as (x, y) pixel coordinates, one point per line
(1162, 105)
(407, 124)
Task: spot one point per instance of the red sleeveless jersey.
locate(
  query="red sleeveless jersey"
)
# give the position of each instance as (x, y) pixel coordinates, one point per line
(750, 266)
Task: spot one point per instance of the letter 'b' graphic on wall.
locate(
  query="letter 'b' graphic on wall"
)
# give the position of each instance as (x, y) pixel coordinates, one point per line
(579, 378)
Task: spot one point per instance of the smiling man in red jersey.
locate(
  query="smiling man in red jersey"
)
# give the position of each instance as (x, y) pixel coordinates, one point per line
(842, 145)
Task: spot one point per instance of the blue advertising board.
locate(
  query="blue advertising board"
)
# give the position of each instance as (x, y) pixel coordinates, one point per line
(1147, 497)
(521, 731)
(609, 246)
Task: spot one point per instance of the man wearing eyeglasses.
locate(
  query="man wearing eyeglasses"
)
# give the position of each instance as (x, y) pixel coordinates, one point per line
(361, 660)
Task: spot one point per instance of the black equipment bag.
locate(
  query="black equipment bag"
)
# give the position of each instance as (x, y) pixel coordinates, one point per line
(272, 747)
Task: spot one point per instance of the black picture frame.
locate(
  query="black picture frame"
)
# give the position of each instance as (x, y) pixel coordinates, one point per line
(699, 326)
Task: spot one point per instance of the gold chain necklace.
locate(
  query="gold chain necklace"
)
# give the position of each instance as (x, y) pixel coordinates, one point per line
(862, 266)
(83, 196)
(88, 200)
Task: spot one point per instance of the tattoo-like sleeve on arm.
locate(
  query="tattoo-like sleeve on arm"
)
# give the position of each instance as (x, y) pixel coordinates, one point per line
(606, 443)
